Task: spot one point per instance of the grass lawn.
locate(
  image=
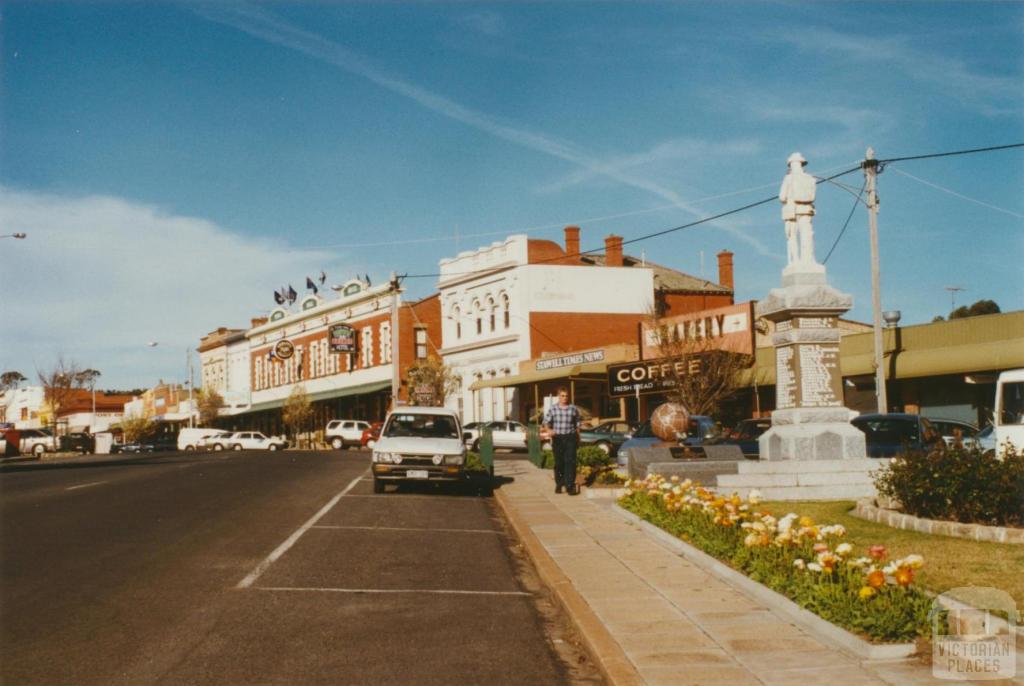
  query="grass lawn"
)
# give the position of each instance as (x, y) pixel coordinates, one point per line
(948, 562)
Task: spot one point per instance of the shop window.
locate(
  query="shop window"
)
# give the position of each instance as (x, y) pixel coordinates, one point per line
(367, 351)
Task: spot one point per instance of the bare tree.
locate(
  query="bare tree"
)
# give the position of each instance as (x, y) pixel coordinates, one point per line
(209, 405)
(703, 375)
(59, 384)
(135, 427)
(297, 411)
(432, 381)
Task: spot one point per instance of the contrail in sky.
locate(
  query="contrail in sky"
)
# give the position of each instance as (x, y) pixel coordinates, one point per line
(258, 23)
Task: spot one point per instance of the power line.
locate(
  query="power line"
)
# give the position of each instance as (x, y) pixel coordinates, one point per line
(950, 154)
(848, 218)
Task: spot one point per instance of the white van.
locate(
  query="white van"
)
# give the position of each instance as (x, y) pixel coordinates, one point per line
(1009, 411)
(192, 439)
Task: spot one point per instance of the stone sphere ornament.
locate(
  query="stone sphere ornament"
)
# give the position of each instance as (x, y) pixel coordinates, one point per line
(670, 421)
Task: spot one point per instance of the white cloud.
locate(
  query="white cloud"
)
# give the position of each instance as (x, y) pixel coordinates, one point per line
(265, 26)
(100, 276)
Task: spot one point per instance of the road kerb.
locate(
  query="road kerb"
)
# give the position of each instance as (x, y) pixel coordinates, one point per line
(611, 659)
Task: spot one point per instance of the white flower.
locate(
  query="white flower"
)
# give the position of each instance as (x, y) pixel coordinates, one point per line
(754, 497)
(913, 561)
(814, 566)
(799, 563)
(844, 549)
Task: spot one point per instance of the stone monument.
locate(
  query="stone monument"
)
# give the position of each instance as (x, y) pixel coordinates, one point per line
(810, 421)
(811, 451)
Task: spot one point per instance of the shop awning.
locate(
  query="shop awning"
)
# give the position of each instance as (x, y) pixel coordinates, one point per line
(371, 387)
(591, 368)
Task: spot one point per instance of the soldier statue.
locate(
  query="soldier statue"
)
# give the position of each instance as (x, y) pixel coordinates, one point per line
(797, 198)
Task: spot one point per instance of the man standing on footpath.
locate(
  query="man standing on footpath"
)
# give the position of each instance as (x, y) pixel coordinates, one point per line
(563, 422)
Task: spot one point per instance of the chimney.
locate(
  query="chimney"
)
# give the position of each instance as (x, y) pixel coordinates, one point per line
(572, 240)
(258, 321)
(725, 269)
(613, 251)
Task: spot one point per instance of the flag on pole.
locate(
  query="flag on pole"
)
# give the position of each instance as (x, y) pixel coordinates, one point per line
(292, 295)
(311, 286)
(323, 277)
(278, 298)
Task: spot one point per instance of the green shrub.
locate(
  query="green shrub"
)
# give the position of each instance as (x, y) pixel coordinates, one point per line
(474, 463)
(592, 456)
(958, 484)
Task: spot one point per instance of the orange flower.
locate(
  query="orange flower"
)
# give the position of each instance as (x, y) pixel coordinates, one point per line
(904, 576)
(877, 552)
(876, 579)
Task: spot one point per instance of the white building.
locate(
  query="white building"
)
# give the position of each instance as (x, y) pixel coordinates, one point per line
(521, 298)
(224, 367)
(23, 407)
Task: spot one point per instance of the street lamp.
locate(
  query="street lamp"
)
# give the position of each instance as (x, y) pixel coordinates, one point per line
(18, 234)
(91, 375)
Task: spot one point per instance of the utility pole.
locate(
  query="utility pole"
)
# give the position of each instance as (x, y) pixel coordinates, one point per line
(191, 408)
(394, 341)
(870, 167)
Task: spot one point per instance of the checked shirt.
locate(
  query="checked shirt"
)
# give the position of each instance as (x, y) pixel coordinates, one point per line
(562, 420)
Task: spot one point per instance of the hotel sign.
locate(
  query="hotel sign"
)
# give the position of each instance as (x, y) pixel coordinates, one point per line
(342, 339)
(570, 360)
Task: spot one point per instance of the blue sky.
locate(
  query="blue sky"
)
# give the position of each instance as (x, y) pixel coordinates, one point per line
(175, 163)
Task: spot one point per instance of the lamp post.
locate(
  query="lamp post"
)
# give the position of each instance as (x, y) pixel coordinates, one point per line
(91, 375)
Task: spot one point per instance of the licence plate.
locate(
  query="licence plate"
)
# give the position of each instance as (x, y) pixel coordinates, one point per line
(417, 474)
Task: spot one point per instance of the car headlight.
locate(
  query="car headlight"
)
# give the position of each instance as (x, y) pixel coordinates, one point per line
(453, 459)
(437, 459)
(385, 458)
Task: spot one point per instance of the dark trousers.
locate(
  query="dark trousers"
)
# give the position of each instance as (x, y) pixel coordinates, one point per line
(564, 447)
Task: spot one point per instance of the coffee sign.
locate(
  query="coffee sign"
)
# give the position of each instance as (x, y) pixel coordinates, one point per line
(649, 376)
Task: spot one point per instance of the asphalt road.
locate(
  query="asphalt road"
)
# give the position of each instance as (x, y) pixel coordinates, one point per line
(260, 568)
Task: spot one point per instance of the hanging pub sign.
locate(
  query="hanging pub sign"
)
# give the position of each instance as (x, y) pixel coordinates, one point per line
(342, 339)
(283, 349)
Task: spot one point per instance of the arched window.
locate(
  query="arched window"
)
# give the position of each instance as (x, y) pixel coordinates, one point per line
(385, 342)
(505, 313)
(478, 313)
(491, 313)
(457, 318)
(367, 357)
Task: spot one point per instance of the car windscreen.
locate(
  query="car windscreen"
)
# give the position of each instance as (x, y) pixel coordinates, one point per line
(888, 430)
(420, 426)
(644, 431)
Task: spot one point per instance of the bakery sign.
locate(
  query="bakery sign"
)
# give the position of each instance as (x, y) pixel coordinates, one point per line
(342, 339)
(728, 328)
(569, 360)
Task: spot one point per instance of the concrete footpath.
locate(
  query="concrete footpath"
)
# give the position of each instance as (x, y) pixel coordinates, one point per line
(651, 617)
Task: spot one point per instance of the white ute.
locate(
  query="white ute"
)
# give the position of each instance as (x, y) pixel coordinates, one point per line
(1009, 411)
(419, 444)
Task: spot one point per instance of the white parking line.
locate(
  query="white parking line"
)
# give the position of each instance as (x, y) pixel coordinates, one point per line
(91, 483)
(416, 591)
(290, 541)
(403, 528)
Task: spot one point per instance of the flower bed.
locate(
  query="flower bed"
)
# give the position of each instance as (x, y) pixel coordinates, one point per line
(804, 561)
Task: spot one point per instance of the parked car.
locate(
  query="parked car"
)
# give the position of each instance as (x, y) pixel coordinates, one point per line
(371, 435)
(887, 435)
(607, 436)
(949, 428)
(206, 443)
(505, 434)
(37, 441)
(155, 444)
(745, 435)
(419, 444)
(78, 442)
(701, 427)
(985, 440)
(342, 432)
(192, 439)
(252, 440)
(472, 432)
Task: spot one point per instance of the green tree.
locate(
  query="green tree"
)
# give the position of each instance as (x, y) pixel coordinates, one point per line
(431, 381)
(209, 405)
(10, 380)
(297, 411)
(135, 427)
(980, 307)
